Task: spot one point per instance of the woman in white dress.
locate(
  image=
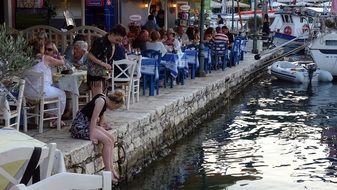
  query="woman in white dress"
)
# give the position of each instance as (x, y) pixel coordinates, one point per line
(44, 65)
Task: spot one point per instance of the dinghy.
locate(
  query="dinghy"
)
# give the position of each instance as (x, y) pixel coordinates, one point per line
(299, 72)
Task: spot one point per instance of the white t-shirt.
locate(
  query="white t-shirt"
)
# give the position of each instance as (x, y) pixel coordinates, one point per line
(158, 46)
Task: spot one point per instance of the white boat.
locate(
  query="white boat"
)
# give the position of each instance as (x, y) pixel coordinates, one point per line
(323, 50)
(291, 23)
(298, 72)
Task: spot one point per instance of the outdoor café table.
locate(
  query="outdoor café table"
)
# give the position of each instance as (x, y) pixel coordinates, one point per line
(136, 58)
(149, 68)
(11, 138)
(72, 83)
(173, 62)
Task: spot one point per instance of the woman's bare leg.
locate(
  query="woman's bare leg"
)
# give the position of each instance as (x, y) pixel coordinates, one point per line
(107, 150)
(115, 173)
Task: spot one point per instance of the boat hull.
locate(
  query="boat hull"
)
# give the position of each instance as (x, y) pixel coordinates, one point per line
(280, 39)
(323, 50)
(325, 59)
(292, 72)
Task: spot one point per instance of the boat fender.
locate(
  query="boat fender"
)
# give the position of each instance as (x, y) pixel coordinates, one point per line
(288, 30)
(305, 28)
(324, 76)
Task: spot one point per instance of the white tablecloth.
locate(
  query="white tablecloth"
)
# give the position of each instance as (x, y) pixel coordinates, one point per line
(72, 82)
(11, 138)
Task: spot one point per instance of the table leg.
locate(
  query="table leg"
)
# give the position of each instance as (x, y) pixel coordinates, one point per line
(74, 101)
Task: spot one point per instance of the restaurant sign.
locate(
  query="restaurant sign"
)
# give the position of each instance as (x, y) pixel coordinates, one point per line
(94, 3)
(29, 3)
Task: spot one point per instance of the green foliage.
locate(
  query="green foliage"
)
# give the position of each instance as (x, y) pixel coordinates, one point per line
(251, 23)
(15, 54)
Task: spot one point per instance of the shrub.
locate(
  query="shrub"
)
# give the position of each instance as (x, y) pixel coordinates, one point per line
(15, 54)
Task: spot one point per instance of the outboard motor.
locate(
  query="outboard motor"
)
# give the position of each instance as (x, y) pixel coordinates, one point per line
(311, 67)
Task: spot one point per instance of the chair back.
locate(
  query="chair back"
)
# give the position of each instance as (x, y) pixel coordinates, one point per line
(190, 47)
(149, 66)
(34, 85)
(152, 54)
(13, 156)
(207, 50)
(123, 70)
(14, 101)
(69, 181)
(237, 46)
(190, 56)
(219, 48)
(123, 76)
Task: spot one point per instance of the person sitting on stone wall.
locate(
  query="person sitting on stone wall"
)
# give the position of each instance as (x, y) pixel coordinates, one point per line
(89, 124)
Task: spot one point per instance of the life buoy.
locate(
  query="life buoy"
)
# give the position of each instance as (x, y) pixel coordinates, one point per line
(288, 30)
(305, 28)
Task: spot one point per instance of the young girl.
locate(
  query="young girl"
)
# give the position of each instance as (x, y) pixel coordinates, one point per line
(89, 124)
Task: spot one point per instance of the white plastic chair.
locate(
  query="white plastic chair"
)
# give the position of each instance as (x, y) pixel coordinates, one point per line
(69, 181)
(40, 103)
(12, 108)
(24, 154)
(124, 70)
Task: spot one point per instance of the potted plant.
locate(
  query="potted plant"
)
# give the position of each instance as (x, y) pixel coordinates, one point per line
(15, 58)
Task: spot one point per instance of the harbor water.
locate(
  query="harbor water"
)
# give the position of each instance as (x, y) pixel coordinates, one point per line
(274, 135)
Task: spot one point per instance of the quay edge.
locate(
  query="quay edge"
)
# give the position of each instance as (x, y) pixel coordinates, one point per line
(155, 123)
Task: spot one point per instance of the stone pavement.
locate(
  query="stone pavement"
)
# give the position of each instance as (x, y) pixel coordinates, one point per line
(155, 122)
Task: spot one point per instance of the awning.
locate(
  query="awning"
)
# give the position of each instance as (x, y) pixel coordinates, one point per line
(215, 4)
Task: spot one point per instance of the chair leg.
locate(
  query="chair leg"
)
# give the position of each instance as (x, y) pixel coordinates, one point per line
(17, 119)
(165, 77)
(144, 84)
(41, 115)
(137, 97)
(24, 118)
(59, 115)
(192, 71)
(157, 85)
(151, 93)
(36, 112)
(128, 98)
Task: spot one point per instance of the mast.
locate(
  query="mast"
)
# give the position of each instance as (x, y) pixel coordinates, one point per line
(239, 12)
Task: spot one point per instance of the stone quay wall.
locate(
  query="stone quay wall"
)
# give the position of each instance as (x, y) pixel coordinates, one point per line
(151, 126)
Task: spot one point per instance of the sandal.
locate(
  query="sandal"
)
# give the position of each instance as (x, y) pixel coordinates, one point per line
(53, 124)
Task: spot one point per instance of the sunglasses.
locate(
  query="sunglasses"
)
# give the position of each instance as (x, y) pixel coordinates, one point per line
(49, 49)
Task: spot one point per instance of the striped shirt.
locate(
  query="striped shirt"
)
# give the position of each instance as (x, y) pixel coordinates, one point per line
(220, 37)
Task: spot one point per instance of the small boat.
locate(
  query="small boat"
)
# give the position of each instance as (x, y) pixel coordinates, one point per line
(299, 72)
(323, 50)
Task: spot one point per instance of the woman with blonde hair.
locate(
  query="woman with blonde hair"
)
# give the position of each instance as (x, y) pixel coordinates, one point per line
(44, 65)
(90, 124)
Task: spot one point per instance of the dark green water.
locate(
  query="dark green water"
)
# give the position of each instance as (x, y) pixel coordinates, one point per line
(274, 135)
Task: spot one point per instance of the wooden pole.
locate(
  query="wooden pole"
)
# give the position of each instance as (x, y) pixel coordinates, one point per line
(239, 12)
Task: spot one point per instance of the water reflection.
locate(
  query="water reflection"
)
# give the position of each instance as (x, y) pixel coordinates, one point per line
(273, 136)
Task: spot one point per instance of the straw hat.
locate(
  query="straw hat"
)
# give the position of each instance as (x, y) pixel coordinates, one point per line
(171, 31)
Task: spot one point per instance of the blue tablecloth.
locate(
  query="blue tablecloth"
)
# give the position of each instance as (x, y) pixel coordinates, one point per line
(148, 66)
(173, 62)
